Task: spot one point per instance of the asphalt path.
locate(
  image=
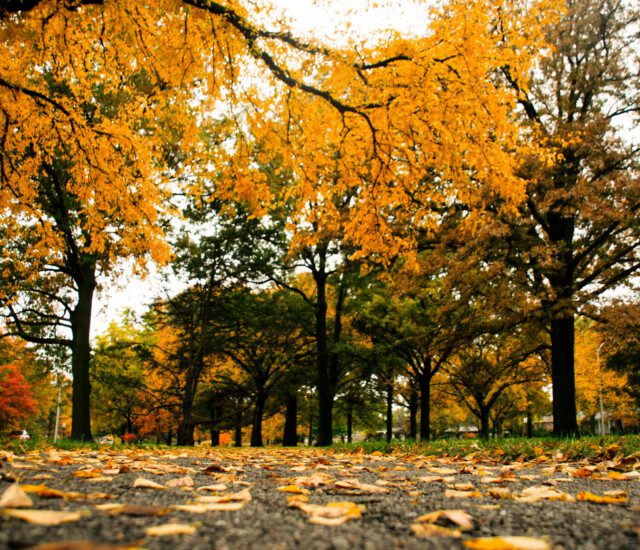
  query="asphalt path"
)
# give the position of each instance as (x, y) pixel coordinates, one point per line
(313, 499)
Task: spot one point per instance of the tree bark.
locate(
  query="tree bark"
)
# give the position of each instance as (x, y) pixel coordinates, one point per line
(258, 413)
(425, 404)
(413, 414)
(325, 393)
(484, 422)
(529, 424)
(290, 435)
(80, 357)
(563, 377)
(238, 428)
(389, 420)
(349, 423)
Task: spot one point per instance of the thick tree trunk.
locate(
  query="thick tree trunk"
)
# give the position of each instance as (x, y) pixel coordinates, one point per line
(215, 435)
(80, 357)
(258, 413)
(185, 437)
(389, 422)
(413, 414)
(529, 424)
(484, 422)
(425, 404)
(563, 377)
(290, 435)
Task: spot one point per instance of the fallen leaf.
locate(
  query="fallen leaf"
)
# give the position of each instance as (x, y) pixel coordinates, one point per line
(507, 543)
(186, 481)
(293, 489)
(170, 529)
(137, 511)
(501, 493)
(541, 492)
(15, 497)
(144, 483)
(218, 488)
(44, 517)
(607, 499)
(464, 486)
(209, 507)
(241, 496)
(43, 491)
(428, 530)
(618, 476)
(331, 514)
(353, 485)
(459, 518)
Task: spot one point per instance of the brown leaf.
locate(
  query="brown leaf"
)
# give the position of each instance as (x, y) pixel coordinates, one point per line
(15, 497)
(459, 518)
(451, 493)
(137, 511)
(171, 529)
(43, 491)
(333, 513)
(541, 492)
(218, 488)
(501, 493)
(44, 517)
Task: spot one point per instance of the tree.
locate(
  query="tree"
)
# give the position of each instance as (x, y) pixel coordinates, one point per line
(491, 365)
(577, 235)
(17, 401)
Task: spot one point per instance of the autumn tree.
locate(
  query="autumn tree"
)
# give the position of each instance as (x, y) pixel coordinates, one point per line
(577, 233)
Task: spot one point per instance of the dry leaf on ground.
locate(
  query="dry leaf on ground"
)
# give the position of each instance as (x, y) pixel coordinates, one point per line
(144, 483)
(47, 518)
(617, 498)
(461, 519)
(15, 497)
(429, 530)
(507, 543)
(170, 529)
(333, 513)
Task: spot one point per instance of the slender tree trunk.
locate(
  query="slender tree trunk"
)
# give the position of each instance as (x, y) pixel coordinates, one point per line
(169, 438)
(529, 424)
(563, 377)
(323, 382)
(238, 427)
(258, 413)
(310, 440)
(413, 414)
(425, 404)
(290, 435)
(350, 423)
(80, 357)
(389, 426)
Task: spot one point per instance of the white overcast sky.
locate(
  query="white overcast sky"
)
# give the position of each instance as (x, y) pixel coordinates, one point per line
(330, 21)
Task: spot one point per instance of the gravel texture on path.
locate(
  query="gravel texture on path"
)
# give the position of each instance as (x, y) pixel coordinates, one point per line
(277, 499)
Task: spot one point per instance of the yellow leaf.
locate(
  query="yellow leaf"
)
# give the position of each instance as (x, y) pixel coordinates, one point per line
(293, 489)
(610, 499)
(507, 543)
(428, 530)
(170, 529)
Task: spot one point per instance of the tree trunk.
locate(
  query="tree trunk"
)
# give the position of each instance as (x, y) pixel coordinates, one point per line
(484, 422)
(238, 428)
(413, 414)
(80, 357)
(425, 404)
(258, 413)
(310, 440)
(349, 423)
(325, 393)
(563, 377)
(389, 426)
(529, 424)
(169, 438)
(215, 435)
(290, 435)
(184, 436)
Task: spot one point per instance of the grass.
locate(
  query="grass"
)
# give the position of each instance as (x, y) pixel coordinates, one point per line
(512, 448)
(503, 449)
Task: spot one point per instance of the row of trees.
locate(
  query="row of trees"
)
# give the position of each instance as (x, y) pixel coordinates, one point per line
(480, 168)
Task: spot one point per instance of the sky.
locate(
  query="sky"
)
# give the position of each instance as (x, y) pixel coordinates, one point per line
(329, 20)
